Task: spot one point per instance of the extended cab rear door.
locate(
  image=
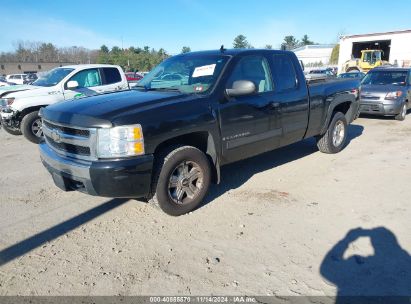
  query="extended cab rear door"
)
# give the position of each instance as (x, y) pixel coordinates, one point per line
(113, 79)
(291, 96)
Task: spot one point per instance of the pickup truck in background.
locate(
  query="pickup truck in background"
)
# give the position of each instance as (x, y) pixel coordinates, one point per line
(20, 115)
(167, 139)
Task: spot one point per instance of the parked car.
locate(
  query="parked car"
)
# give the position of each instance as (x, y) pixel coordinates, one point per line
(30, 78)
(68, 82)
(328, 72)
(133, 76)
(356, 75)
(4, 82)
(166, 140)
(386, 91)
(16, 78)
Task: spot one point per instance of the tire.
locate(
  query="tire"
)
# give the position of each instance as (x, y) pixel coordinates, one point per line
(182, 177)
(12, 131)
(403, 113)
(31, 127)
(334, 139)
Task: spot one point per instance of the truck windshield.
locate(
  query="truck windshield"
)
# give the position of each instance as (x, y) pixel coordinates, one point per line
(385, 77)
(53, 77)
(185, 73)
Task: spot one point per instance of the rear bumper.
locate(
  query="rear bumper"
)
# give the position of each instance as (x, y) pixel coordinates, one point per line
(127, 178)
(379, 108)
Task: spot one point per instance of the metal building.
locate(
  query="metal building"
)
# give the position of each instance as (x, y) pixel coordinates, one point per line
(314, 54)
(396, 46)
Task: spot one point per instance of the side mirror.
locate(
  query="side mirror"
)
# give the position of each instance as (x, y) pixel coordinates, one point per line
(240, 88)
(72, 84)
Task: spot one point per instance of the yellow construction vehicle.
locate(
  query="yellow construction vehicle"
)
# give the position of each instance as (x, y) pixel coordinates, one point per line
(369, 60)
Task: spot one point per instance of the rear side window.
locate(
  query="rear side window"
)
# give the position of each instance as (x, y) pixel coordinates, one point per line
(284, 74)
(111, 75)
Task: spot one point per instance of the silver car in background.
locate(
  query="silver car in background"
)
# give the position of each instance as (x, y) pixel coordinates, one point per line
(386, 91)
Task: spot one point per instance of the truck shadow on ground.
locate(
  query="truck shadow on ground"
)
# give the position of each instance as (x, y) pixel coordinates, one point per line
(21, 248)
(384, 277)
(235, 175)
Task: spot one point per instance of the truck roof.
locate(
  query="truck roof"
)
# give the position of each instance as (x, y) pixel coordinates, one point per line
(233, 52)
(94, 65)
(391, 68)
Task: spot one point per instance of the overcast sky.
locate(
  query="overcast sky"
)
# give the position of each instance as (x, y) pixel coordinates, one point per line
(198, 24)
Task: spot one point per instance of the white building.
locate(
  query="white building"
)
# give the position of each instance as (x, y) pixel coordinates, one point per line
(314, 54)
(396, 46)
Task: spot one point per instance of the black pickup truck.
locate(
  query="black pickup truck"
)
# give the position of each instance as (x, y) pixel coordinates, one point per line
(167, 139)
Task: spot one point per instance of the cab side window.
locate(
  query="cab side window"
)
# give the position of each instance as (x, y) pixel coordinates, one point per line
(255, 69)
(285, 77)
(87, 78)
(111, 75)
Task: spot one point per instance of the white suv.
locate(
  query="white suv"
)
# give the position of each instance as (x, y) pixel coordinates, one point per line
(21, 116)
(16, 78)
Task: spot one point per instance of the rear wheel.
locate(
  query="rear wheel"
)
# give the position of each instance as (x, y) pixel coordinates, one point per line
(403, 113)
(181, 181)
(334, 140)
(32, 127)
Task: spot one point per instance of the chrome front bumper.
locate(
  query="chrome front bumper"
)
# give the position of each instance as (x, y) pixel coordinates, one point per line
(79, 168)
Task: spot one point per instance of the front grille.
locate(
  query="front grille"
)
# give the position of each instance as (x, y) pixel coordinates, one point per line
(67, 130)
(72, 149)
(70, 140)
(369, 97)
(370, 108)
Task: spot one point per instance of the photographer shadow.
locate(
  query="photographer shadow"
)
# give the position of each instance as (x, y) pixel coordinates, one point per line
(384, 277)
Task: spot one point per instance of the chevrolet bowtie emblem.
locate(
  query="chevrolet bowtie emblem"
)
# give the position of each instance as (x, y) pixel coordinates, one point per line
(56, 136)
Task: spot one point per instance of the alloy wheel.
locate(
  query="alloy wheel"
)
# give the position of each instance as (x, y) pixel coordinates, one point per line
(338, 133)
(37, 128)
(185, 182)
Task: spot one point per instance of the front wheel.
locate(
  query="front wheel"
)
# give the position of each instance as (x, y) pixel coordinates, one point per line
(182, 178)
(334, 140)
(403, 112)
(10, 130)
(32, 128)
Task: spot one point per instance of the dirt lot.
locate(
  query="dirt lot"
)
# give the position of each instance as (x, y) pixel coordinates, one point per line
(268, 229)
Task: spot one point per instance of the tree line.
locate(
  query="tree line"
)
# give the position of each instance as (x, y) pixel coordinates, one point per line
(289, 43)
(37, 51)
(130, 59)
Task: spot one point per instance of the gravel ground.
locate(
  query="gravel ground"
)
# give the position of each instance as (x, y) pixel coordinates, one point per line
(283, 223)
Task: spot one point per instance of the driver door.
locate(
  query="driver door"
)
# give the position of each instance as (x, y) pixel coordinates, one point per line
(250, 124)
(89, 84)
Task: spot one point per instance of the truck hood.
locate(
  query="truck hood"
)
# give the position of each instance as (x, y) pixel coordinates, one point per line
(102, 110)
(15, 88)
(25, 91)
(371, 89)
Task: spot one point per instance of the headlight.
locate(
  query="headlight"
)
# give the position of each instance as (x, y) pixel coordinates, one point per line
(393, 95)
(6, 101)
(121, 141)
